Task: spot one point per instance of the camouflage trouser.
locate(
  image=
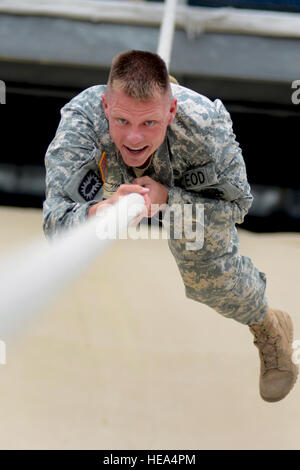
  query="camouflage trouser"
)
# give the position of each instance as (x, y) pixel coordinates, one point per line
(218, 276)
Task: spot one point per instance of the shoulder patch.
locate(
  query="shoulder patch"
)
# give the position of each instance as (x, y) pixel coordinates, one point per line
(89, 185)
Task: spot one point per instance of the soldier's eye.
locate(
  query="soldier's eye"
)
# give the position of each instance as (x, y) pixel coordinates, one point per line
(122, 121)
(149, 123)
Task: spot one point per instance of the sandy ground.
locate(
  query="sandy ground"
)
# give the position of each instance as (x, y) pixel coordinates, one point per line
(122, 360)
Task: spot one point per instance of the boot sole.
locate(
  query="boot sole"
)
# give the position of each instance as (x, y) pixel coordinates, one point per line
(290, 329)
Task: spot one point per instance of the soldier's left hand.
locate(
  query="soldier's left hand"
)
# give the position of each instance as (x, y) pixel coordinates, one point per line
(158, 193)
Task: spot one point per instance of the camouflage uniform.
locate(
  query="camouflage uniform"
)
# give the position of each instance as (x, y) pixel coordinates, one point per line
(199, 162)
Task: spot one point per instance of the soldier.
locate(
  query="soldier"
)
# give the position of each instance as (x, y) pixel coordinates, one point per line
(172, 145)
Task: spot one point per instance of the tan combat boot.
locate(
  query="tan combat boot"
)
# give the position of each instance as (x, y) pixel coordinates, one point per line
(273, 338)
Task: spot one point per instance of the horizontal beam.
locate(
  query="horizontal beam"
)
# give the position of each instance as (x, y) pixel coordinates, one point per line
(194, 20)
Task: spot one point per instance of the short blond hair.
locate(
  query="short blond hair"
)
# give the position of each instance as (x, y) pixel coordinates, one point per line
(139, 74)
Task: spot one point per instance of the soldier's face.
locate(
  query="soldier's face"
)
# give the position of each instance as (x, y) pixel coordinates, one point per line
(136, 127)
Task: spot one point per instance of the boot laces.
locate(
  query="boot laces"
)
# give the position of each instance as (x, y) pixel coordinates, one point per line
(267, 345)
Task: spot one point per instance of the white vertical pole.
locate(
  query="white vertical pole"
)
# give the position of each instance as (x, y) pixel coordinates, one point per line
(166, 34)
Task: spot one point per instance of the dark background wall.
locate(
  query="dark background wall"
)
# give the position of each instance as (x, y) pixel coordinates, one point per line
(46, 61)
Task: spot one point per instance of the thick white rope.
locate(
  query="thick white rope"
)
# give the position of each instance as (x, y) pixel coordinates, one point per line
(30, 278)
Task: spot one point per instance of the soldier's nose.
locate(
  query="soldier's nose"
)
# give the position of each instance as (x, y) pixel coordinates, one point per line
(134, 138)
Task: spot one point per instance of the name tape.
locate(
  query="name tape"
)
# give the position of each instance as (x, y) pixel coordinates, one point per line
(199, 177)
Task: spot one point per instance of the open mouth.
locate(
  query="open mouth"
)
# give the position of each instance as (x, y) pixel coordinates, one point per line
(135, 151)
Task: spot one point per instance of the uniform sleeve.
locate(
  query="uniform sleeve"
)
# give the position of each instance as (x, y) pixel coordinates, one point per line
(231, 178)
(73, 178)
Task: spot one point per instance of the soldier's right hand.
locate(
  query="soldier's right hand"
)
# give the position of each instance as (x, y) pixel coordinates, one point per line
(122, 191)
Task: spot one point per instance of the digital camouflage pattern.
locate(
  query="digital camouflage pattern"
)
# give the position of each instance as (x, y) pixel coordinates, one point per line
(200, 162)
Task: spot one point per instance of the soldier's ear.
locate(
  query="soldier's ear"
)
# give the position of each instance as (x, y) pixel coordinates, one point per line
(105, 105)
(173, 109)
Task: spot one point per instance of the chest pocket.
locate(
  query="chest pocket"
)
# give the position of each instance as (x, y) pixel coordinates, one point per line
(85, 184)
